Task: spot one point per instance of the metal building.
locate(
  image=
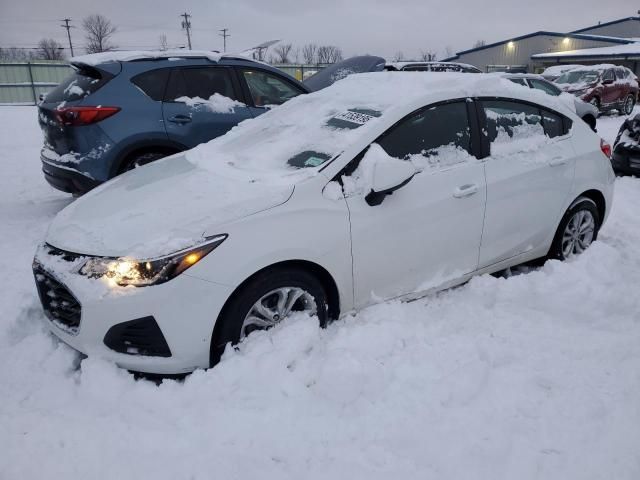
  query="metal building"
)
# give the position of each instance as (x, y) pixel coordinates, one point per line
(521, 54)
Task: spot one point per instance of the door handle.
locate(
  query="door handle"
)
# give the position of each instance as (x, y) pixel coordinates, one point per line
(180, 119)
(465, 190)
(557, 161)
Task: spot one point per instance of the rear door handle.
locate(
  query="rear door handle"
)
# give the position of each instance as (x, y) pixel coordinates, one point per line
(465, 190)
(180, 119)
(557, 161)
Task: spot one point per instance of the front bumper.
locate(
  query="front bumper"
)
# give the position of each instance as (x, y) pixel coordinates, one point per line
(184, 309)
(67, 179)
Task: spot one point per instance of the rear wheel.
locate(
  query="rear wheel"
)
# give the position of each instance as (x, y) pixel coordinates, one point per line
(140, 159)
(577, 231)
(629, 103)
(265, 301)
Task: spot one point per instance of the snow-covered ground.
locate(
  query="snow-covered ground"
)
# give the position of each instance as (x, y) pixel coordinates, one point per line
(534, 376)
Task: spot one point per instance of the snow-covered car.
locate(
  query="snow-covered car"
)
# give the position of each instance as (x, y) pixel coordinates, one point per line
(414, 66)
(586, 111)
(607, 87)
(554, 71)
(334, 201)
(626, 148)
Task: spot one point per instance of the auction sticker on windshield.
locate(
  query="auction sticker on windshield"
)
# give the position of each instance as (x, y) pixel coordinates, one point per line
(353, 118)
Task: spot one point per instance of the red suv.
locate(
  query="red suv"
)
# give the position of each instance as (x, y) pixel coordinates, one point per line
(608, 87)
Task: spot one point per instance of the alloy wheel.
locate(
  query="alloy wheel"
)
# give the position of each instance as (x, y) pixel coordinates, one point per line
(578, 234)
(628, 105)
(275, 306)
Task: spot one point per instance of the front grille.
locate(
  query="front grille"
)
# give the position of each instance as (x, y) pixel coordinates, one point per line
(59, 304)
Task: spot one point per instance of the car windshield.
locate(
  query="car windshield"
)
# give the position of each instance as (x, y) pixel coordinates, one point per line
(579, 76)
(287, 139)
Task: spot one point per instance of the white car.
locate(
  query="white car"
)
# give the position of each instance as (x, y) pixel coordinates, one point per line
(381, 186)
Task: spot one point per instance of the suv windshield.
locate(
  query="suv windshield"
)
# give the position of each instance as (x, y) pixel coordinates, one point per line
(579, 76)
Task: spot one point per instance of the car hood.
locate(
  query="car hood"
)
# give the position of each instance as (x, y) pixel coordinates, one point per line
(160, 208)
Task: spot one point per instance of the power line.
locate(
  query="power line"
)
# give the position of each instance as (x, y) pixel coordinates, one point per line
(186, 24)
(224, 36)
(68, 27)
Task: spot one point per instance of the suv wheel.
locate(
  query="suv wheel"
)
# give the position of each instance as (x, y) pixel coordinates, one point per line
(265, 301)
(140, 159)
(629, 103)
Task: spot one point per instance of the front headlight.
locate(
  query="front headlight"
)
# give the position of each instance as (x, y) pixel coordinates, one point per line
(141, 273)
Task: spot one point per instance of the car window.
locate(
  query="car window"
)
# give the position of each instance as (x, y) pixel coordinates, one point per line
(81, 83)
(428, 130)
(267, 89)
(508, 120)
(200, 82)
(417, 68)
(152, 83)
(608, 75)
(519, 81)
(545, 86)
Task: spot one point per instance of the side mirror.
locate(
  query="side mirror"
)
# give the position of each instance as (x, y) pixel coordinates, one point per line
(388, 176)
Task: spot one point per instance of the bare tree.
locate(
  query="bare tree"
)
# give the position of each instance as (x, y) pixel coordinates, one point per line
(296, 55)
(282, 52)
(479, 43)
(328, 54)
(49, 49)
(98, 31)
(16, 54)
(427, 55)
(163, 42)
(309, 53)
(398, 57)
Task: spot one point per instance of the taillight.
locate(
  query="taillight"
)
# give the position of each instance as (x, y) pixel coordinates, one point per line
(606, 148)
(77, 116)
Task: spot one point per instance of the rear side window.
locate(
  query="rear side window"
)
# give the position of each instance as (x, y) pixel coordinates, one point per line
(519, 81)
(608, 75)
(545, 86)
(79, 84)
(425, 132)
(200, 82)
(152, 83)
(514, 120)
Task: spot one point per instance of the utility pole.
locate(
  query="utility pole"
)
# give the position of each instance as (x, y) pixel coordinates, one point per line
(68, 27)
(224, 36)
(186, 24)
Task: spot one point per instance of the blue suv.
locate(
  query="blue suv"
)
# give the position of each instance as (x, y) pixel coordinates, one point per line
(120, 110)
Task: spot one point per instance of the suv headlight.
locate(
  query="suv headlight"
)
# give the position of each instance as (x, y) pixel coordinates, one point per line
(141, 273)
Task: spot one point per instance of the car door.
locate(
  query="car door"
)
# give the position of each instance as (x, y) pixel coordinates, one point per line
(529, 174)
(266, 89)
(610, 89)
(201, 103)
(426, 233)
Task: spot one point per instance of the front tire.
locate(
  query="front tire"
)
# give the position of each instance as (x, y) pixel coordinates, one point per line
(578, 229)
(138, 160)
(266, 300)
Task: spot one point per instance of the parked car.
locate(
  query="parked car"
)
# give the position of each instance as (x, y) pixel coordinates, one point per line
(626, 149)
(120, 110)
(607, 87)
(553, 72)
(586, 111)
(431, 67)
(333, 201)
(337, 71)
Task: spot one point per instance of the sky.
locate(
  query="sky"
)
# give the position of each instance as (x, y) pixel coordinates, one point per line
(377, 27)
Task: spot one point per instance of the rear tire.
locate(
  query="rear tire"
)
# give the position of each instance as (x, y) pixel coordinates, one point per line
(578, 229)
(234, 322)
(629, 103)
(140, 159)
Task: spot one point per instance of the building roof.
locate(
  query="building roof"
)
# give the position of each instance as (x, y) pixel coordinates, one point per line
(616, 40)
(606, 24)
(631, 50)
